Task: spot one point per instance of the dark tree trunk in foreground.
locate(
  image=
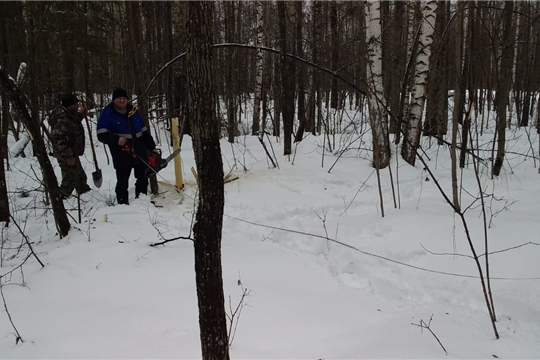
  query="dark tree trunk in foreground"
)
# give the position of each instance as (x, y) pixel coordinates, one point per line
(302, 71)
(231, 81)
(49, 178)
(287, 79)
(503, 87)
(4, 200)
(4, 121)
(209, 217)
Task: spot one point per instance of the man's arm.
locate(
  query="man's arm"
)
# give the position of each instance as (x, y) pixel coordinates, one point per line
(103, 131)
(147, 138)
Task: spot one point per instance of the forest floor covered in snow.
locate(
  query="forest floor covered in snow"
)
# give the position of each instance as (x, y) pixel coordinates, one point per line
(325, 274)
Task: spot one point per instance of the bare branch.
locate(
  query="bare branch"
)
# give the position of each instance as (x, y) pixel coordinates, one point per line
(423, 325)
(18, 336)
(234, 318)
(175, 238)
(27, 241)
(372, 254)
(490, 253)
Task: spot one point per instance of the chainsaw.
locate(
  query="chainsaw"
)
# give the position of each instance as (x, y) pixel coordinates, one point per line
(156, 163)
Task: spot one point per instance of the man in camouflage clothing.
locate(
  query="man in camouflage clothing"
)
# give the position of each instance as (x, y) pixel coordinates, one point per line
(68, 145)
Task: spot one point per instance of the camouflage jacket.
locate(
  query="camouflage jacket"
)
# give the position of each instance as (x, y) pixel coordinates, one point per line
(67, 133)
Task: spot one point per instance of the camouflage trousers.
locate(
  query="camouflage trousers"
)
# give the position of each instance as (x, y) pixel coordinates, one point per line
(73, 177)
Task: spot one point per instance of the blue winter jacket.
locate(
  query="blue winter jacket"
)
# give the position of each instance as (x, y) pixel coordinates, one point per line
(112, 125)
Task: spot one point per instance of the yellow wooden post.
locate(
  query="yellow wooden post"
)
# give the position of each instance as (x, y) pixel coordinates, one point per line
(177, 163)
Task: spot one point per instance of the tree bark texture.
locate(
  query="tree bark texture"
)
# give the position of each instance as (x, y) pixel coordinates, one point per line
(396, 59)
(503, 87)
(436, 123)
(231, 81)
(49, 178)
(259, 65)
(137, 56)
(209, 217)
(413, 128)
(301, 73)
(4, 120)
(334, 97)
(287, 68)
(458, 102)
(467, 83)
(378, 117)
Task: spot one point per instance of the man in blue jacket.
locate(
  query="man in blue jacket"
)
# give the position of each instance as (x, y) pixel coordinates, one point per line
(122, 127)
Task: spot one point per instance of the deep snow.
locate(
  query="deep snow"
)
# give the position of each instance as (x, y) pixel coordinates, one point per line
(105, 293)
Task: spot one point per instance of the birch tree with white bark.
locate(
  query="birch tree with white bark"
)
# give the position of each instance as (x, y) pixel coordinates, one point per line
(413, 127)
(377, 113)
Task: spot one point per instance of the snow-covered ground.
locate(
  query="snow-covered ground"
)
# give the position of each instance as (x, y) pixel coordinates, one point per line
(105, 293)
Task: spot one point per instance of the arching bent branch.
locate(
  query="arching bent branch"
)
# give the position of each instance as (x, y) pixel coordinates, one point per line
(253, 47)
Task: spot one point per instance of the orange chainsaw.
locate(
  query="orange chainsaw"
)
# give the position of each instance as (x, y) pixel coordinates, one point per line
(156, 162)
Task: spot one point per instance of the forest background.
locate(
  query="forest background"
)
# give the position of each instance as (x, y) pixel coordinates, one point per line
(441, 72)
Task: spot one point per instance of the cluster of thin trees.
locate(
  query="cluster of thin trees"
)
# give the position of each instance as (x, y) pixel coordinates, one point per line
(402, 57)
(401, 60)
(397, 61)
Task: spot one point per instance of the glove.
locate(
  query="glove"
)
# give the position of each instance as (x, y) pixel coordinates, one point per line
(83, 111)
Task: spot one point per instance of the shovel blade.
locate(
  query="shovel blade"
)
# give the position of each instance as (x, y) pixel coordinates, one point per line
(97, 177)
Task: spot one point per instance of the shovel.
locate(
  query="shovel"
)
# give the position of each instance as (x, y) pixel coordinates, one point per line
(96, 175)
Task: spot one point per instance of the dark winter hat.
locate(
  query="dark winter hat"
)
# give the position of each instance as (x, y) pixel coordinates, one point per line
(68, 100)
(119, 92)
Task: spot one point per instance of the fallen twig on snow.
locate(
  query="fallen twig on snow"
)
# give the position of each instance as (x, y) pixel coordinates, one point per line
(423, 325)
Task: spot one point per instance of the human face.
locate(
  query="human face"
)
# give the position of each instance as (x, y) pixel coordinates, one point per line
(120, 103)
(74, 107)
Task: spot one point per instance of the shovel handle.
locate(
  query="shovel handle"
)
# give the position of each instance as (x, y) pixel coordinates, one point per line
(91, 142)
(90, 136)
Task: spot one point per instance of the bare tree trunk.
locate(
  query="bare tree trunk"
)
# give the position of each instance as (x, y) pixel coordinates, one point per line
(209, 218)
(259, 65)
(458, 101)
(137, 55)
(378, 117)
(231, 73)
(68, 40)
(409, 75)
(503, 88)
(32, 72)
(528, 60)
(334, 35)
(467, 84)
(276, 96)
(437, 93)
(4, 200)
(413, 128)
(4, 119)
(315, 98)
(49, 178)
(268, 82)
(397, 56)
(172, 110)
(301, 73)
(287, 78)
(86, 61)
